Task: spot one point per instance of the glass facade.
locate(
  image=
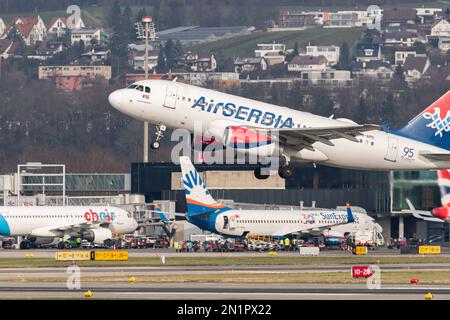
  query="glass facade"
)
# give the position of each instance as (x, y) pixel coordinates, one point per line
(419, 186)
(119, 182)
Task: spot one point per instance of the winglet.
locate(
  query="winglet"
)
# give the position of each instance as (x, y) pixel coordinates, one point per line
(162, 216)
(350, 217)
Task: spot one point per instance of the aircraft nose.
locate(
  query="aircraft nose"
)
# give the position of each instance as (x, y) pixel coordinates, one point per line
(115, 99)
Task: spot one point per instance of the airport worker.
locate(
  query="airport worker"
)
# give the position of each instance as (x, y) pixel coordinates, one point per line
(190, 246)
(287, 244)
(78, 241)
(175, 245)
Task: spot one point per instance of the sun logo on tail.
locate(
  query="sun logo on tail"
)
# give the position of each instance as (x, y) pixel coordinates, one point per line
(192, 180)
(437, 122)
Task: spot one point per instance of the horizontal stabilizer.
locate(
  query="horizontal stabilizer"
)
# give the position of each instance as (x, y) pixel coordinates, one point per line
(422, 215)
(436, 156)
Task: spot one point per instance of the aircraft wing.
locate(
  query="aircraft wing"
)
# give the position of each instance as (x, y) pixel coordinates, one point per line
(77, 227)
(303, 138)
(422, 215)
(436, 156)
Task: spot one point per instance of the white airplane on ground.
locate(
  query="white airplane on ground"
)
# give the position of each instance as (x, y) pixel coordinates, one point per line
(440, 214)
(208, 214)
(265, 129)
(45, 223)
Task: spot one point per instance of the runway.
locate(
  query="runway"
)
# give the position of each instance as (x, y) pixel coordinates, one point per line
(205, 291)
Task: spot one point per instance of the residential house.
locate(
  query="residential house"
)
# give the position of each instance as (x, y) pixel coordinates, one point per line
(88, 35)
(372, 70)
(248, 65)
(274, 53)
(200, 62)
(306, 63)
(437, 74)
(329, 77)
(59, 26)
(95, 57)
(400, 38)
(47, 49)
(441, 29)
(32, 29)
(299, 20)
(444, 44)
(137, 62)
(330, 52)
(399, 20)
(400, 56)
(343, 19)
(415, 67)
(71, 77)
(368, 52)
(427, 15)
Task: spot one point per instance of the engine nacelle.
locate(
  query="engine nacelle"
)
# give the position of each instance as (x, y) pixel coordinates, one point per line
(441, 212)
(97, 235)
(250, 141)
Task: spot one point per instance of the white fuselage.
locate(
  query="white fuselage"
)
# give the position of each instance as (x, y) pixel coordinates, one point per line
(279, 222)
(56, 220)
(176, 105)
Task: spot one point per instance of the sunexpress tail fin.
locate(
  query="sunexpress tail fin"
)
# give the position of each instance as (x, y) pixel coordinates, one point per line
(198, 198)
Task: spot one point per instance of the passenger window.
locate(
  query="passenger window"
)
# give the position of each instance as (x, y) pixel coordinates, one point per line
(147, 89)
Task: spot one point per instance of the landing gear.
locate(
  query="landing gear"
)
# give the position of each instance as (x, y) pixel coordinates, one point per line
(25, 244)
(285, 171)
(160, 130)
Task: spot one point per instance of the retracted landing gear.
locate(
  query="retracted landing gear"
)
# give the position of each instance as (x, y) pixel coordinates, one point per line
(160, 130)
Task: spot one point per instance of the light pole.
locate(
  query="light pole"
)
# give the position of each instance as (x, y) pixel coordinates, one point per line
(146, 20)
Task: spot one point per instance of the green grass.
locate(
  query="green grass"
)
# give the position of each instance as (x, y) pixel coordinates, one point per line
(390, 277)
(227, 261)
(245, 45)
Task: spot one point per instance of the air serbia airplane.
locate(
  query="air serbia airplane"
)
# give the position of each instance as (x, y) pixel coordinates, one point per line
(265, 129)
(45, 223)
(437, 214)
(208, 214)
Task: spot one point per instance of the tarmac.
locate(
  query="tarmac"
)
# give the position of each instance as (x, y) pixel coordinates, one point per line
(50, 282)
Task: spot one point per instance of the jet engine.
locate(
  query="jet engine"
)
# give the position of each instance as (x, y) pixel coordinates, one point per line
(441, 212)
(97, 235)
(249, 141)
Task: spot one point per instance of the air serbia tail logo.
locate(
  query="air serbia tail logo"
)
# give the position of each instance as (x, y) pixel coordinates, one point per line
(437, 122)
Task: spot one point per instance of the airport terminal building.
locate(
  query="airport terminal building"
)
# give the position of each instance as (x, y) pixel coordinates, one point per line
(381, 194)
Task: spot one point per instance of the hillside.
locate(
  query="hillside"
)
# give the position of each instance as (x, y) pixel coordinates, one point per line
(245, 45)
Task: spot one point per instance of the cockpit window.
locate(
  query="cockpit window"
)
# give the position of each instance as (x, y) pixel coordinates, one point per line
(132, 86)
(140, 88)
(147, 89)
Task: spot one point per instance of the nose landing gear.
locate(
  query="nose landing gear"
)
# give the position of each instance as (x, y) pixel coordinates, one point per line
(160, 130)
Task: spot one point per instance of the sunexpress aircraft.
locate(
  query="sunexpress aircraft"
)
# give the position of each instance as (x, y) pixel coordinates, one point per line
(265, 129)
(208, 214)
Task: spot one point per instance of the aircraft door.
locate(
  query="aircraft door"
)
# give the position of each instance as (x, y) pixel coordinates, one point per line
(392, 150)
(225, 222)
(171, 96)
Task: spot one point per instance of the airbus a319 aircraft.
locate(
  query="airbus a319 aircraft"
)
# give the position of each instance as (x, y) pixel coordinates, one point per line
(208, 214)
(44, 223)
(265, 129)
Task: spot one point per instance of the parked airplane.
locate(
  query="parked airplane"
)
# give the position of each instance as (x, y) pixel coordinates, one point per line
(207, 214)
(437, 214)
(44, 223)
(254, 127)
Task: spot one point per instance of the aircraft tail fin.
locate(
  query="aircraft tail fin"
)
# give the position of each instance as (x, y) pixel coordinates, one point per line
(432, 125)
(444, 186)
(350, 217)
(198, 199)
